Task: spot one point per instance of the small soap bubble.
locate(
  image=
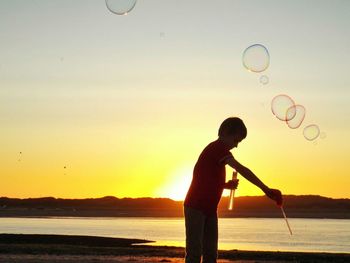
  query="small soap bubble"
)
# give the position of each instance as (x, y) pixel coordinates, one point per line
(256, 58)
(299, 114)
(311, 132)
(264, 79)
(120, 7)
(282, 106)
(20, 156)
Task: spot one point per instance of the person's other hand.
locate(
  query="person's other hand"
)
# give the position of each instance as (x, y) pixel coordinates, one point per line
(275, 195)
(232, 184)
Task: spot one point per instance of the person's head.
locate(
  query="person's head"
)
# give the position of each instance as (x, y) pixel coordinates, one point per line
(232, 131)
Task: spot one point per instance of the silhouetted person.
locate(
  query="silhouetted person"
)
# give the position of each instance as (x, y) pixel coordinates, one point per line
(208, 183)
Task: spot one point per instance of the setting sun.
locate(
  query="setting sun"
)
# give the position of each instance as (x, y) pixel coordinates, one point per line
(177, 185)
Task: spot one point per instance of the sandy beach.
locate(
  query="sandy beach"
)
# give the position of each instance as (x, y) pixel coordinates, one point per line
(86, 249)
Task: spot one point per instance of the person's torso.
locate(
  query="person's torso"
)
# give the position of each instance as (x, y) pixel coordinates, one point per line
(208, 178)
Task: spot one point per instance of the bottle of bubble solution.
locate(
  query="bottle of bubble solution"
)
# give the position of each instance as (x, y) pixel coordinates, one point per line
(232, 192)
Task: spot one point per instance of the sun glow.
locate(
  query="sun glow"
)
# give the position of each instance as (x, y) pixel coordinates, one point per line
(177, 185)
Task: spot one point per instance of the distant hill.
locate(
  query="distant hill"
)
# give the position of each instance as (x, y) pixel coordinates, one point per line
(306, 206)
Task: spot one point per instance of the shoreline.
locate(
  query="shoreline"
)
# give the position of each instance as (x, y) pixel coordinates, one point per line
(66, 248)
(108, 216)
(302, 206)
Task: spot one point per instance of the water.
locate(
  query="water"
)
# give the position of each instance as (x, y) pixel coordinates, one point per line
(312, 235)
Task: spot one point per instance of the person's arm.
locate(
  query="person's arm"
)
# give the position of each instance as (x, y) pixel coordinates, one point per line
(274, 194)
(246, 173)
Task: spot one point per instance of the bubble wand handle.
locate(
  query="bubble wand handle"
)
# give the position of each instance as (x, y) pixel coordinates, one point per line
(232, 192)
(285, 217)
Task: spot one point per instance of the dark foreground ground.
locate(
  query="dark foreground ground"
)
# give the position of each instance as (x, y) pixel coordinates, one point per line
(86, 249)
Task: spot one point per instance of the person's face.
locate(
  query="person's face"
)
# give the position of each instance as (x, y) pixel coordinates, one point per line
(234, 140)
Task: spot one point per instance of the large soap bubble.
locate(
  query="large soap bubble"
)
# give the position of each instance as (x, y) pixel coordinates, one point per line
(311, 132)
(256, 58)
(120, 7)
(299, 114)
(282, 106)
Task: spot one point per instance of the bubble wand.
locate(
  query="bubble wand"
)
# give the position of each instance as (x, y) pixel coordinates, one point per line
(280, 204)
(232, 192)
(285, 217)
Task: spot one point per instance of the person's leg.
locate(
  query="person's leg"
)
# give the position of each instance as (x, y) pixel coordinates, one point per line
(210, 239)
(194, 222)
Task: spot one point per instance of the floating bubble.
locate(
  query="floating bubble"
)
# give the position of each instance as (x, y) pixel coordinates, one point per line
(120, 7)
(299, 114)
(281, 105)
(264, 79)
(323, 135)
(256, 58)
(311, 132)
(20, 156)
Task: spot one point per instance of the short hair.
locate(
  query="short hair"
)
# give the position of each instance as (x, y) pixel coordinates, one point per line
(231, 126)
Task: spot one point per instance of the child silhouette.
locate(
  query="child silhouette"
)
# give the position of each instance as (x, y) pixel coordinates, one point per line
(208, 183)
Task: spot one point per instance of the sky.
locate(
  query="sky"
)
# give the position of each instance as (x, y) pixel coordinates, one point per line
(95, 104)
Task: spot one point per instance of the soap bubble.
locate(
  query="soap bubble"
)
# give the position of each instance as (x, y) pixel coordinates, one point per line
(281, 105)
(120, 7)
(323, 135)
(299, 114)
(311, 132)
(256, 58)
(264, 79)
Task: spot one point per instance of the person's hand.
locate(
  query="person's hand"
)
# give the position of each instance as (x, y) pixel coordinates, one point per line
(232, 184)
(275, 195)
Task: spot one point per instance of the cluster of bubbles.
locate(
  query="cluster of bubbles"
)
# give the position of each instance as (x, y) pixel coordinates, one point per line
(256, 58)
(120, 7)
(285, 109)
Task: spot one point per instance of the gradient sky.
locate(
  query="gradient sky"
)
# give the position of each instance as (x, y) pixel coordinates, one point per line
(127, 103)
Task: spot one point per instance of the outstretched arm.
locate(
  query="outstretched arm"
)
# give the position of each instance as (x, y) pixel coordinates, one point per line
(274, 194)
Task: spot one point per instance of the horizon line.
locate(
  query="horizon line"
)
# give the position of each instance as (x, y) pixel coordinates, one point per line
(148, 197)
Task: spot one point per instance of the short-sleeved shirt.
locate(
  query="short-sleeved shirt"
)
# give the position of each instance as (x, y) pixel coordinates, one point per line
(208, 178)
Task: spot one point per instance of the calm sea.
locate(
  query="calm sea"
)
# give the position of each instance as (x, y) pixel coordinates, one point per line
(314, 235)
